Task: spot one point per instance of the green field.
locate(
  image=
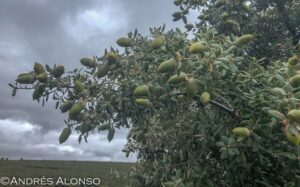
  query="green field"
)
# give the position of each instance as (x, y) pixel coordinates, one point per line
(106, 171)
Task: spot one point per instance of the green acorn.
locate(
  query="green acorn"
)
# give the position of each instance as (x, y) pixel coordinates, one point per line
(142, 90)
(26, 78)
(220, 3)
(58, 71)
(38, 68)
(76, 108)
(102, 71)
(294, 115)
(295, 81)
(205, 98)
(294, 60)
(157, 43)
(125, 42)
(66, 106)
(78, 86)
(191, 87)
(143, 102)
(294, 139)
(198, 47)
(167, 66)
(88, 62)
(241, 131)
(65, 135)
(111, 57)
(42, 77)
(245, 39)
(176, 79)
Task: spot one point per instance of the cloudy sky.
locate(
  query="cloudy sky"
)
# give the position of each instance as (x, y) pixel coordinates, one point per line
(61, 32)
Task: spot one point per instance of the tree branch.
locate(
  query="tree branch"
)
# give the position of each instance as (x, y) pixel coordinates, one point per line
(232, 112)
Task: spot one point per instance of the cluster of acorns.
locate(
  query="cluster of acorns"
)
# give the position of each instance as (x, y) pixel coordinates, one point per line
(294, 114)
(40, 74)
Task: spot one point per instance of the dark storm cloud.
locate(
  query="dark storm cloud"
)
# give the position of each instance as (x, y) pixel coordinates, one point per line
(61, 32)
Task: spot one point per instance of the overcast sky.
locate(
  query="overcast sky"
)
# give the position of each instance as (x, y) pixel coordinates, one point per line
(62, 32)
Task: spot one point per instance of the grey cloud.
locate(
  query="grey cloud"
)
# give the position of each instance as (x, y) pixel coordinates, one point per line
(50, 32)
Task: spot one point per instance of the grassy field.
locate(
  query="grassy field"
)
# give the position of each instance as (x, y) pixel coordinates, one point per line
(106, 171)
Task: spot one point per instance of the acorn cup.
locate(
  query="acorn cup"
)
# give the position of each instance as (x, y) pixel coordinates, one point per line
(142, 90)
(26, 78)
(167, 66)
(295, 81)
(78, 86)
(111, 57)
(58, 71)
(157, 42)
(65, 107)
(88, 62)
(124, 42)
(102, 71)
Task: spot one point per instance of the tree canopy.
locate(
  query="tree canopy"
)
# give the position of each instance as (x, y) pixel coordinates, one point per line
(220, 108)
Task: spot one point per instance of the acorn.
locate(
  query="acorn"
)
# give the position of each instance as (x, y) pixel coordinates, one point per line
(220, 3)
(143, 102)
(66, 106)
(26, 78)
(241, 131)
(198, 47)
(78, 86)
(191, 87)
(142, 90)
(294, 139)
(38, 68)
(58, 71)
(167, 66)
(176, 79)
(205, 98)
(42, 77)
(245, 39)
(125, 42)
(157, 43)
(76, 108)
(102, 71)
(88, 62)
(65, 135)
(111, 57)
(295, 81)
(294, 60)
(294, 115)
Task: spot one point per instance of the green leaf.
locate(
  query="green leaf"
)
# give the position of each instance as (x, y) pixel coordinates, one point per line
(276, 114)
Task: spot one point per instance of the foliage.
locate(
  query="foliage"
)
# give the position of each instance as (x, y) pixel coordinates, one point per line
(179, 139)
